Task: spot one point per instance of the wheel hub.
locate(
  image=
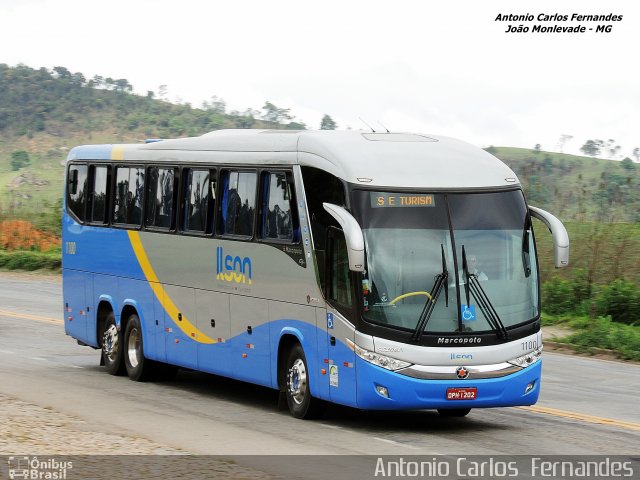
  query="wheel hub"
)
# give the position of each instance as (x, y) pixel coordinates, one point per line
(133, 347)
(297, 381)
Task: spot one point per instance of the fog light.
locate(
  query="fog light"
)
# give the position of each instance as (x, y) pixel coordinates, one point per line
(382, 391)
(529, 387)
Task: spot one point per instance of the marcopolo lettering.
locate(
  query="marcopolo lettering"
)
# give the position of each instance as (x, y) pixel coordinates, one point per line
(458, 340)
(232, 269)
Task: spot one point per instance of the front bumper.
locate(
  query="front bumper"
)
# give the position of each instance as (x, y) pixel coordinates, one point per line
(407, 393)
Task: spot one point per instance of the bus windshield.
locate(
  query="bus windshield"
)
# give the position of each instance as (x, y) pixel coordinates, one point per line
(410, 240)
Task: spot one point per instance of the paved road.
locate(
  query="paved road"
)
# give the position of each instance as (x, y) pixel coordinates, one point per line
(587, 406)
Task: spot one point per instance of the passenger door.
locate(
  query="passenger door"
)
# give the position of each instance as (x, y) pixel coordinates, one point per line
(340, 294)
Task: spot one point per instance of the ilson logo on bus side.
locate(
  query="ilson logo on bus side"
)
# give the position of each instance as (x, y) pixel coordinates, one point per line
(232, 269)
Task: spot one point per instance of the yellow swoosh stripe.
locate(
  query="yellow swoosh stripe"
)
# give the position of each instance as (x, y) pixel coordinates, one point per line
(26, 316)
(185, 325)
(117, 152)
(583, 417)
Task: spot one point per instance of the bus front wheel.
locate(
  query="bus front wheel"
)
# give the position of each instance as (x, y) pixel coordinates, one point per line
(138, 367)
(299, 400)
(112, 346)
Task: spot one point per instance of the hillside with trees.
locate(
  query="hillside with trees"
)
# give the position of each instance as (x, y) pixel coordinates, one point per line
(44, 113)
(577, 188)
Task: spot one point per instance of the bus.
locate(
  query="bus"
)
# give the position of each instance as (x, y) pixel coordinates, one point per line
(375, 270)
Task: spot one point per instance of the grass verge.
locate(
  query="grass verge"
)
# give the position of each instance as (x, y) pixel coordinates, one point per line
(589, 335)
(31, 260)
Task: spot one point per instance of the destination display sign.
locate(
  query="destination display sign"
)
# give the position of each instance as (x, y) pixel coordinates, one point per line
(403, 200)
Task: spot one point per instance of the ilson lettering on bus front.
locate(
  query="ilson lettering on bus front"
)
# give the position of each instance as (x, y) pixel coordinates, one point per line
(232, 269)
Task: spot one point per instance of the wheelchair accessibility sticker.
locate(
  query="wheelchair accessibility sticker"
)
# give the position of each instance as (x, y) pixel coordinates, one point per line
(333, 375)
(329, 320)
(468, 313)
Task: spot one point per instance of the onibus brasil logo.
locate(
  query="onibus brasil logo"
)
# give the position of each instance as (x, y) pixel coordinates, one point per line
(232, 269)
(31, 468)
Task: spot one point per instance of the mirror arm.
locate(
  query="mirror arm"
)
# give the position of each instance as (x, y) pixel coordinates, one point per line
(559, 233)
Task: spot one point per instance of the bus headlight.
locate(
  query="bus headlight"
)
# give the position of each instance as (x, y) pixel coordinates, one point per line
(528, 359)
(383, 361)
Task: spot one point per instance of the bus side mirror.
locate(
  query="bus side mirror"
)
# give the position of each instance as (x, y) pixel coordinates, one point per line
(559, 233)
(352, 234)
(73, 182)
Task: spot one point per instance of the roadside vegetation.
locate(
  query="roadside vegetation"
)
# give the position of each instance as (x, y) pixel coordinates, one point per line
(23, 246)
(597, 335)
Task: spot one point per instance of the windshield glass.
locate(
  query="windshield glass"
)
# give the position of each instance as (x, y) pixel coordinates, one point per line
(410, 240)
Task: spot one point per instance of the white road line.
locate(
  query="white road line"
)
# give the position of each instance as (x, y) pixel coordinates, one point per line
(8, 352)
(69, 365)
(399, 444)
(40, 359)
(335, 427)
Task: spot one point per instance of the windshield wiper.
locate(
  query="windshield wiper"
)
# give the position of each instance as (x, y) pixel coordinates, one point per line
(425, 315)
(472, 285)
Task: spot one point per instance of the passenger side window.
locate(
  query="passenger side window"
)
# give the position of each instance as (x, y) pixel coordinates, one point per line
(77, 188)
(99, 194)
(277, 219)
(127, 205)
(238, 203)
(199, 201)
(160, 205)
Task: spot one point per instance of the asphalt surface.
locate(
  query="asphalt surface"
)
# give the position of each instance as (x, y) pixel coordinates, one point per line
(587, 406)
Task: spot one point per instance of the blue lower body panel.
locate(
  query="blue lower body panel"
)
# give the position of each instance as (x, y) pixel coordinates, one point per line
(412, 393)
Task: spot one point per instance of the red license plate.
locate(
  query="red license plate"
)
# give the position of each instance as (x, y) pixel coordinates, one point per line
(462, 393)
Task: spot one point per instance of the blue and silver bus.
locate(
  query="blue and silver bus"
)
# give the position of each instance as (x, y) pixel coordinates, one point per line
(373, 270)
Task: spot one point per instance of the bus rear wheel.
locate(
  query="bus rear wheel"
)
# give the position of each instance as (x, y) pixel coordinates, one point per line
(112, 346)
(454, 412)
(138, 368)
(297, 391)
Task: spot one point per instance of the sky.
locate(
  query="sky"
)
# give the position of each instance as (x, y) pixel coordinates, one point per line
(444, 68)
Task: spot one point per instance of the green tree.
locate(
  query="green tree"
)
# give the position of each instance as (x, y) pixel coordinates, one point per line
(275, 114)
(591, 148)
(19, 159)
(327, 123)
(61, 72)
(612, 148)
(122, 85)
(628, 164)
(216, 105)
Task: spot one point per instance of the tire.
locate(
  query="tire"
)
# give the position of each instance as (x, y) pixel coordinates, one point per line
(112, 357)
(297, 391)
(454, 412)
(138, 368)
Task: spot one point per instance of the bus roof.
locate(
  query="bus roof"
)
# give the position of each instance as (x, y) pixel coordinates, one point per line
(367, 158)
